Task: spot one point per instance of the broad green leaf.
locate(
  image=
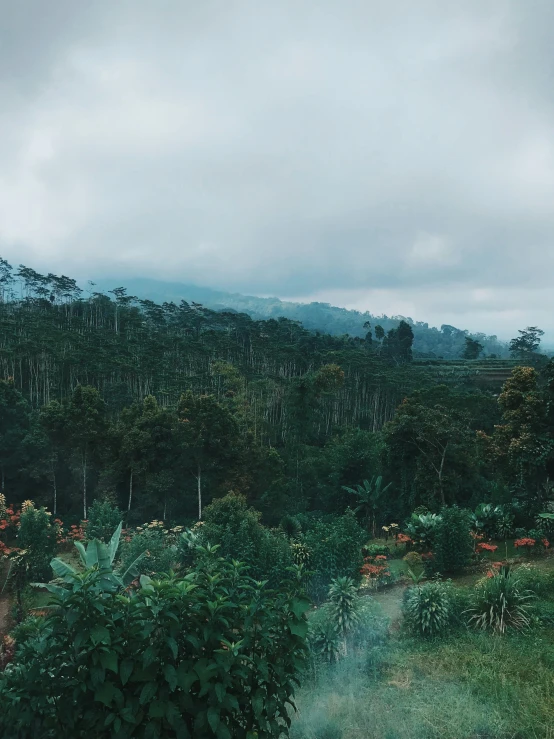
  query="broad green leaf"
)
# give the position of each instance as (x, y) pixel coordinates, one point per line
(105, 693)
(148, 691)
(213, 718)
(114, 543)
(100, 635)
(300, 606)
(126, 670)
(61, 568)
(108, 660)
(299, 628)
(170, 675)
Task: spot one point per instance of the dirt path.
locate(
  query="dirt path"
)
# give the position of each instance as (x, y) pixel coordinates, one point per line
(390, 601)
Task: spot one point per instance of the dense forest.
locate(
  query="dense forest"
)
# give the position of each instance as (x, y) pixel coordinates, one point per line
(229, 474)
(166, 406)
(448, 342)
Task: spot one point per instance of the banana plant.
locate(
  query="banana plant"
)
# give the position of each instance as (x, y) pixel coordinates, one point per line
(369, 494)
(96, 556)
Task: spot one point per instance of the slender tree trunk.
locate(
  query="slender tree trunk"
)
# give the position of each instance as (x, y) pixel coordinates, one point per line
(130, 491)
(85, 485)
(3, 480)
(440, 476)
(199, 482)
(55, 486)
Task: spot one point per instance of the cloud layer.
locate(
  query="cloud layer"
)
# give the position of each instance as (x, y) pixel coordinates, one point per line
(390, 156)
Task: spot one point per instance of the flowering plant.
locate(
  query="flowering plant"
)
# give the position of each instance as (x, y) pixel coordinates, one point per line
(484, 546)
(375, 570)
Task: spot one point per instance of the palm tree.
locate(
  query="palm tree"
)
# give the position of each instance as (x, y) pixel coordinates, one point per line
(369, 494)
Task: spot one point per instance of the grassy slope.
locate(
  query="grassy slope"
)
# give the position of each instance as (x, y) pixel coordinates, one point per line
(467, 686)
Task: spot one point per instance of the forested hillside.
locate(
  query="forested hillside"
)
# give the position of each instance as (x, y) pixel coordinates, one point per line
(447, 342)
(163, 407)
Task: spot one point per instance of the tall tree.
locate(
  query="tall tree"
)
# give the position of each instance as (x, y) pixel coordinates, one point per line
(207, 431)
(527, 343)
(472, 348)
(14, 423)
(87, 425)
(433, 445)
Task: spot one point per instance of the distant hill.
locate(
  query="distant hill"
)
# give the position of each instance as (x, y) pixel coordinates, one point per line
(446, 342)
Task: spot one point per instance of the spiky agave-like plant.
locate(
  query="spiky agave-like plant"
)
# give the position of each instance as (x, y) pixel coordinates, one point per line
(501, 603)
(427, 609)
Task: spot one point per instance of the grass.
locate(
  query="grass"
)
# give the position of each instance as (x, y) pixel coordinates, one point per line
(470, 685)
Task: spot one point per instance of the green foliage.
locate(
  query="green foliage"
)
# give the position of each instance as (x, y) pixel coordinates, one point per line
(422, 529)
(370, 496)
(344, 605)
(335, 548)
(123, 665)
(372, 550)
(290, 526)
(535, 580)
(426, 609)
(453, 545)
(500, 603)
(236, 529)
(160, 554)
(347, 625)
(103, 520)
(37, 540)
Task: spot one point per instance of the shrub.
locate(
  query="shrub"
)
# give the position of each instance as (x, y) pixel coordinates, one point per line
(453, 545)
(112, 664)
(347, 623)
(335, 548)
(426, 609)
(103, 520)
(344, 605)
(414, 561)
(290, 526)
(422, 529)
(534, 579)
(236, 529)
(500, 603)
(160, 553)
(372, 550)
(36, 539)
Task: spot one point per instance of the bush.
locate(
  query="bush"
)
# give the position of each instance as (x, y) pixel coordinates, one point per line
(111, 664)
(453, 545)
(372, 550)
(427, 609)
(536, 580)
(414, 560)
(103, 520)
(500, 603)
(347, 624)
(161, 554)
(236, 529)
(37, 540)
(335, 549)
(422, 529)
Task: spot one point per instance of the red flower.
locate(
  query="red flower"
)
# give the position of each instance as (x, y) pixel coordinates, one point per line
(427, 555)
(525, 542)
(484, 546)
(546, 543)
(381, 557)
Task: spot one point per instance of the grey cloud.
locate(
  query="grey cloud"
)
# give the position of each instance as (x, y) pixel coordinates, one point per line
(371, 151)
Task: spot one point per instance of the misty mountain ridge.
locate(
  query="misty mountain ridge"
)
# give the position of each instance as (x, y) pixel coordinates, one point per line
(446, 342)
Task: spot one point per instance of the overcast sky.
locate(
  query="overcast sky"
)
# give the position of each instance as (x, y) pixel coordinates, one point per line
(393, 155)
